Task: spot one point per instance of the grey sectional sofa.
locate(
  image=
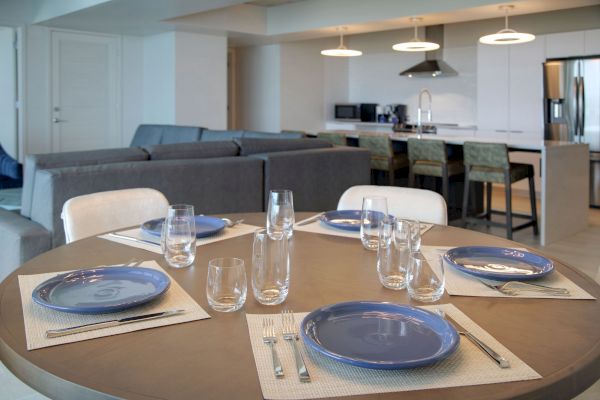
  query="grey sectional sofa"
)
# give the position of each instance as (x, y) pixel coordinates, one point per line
(215, 176)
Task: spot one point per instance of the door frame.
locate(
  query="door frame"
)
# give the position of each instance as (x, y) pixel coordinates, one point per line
(116, 65)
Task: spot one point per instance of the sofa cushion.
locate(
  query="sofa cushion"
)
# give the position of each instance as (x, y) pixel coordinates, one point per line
(209, 135)
(146, 135)
(192, 150)
(9, 166)
(253, 146)
(35, 162)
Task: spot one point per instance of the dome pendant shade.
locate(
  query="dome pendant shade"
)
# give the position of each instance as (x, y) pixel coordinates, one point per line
(415, 44)
(506, 35)
(341, 50)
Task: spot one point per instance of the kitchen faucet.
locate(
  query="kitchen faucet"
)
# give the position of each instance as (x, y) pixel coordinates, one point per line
(420, 111)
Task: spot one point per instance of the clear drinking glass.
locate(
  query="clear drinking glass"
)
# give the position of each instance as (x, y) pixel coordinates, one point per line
(374, 209)
(226, 286)
(270, 268)
(393, 252)
(178, 239)
(425, 281)
(415, 234)
(280, 213)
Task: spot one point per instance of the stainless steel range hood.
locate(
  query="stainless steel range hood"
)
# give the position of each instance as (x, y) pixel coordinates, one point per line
(433, 66)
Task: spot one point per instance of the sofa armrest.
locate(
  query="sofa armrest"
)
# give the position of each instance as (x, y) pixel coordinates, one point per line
(22, 239)
(318, 177)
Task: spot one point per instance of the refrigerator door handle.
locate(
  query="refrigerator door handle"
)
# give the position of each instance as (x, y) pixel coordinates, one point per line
(581, 107)
(576, 83)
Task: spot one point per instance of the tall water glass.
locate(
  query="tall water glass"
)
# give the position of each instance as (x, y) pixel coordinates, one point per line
(415, 234)
(270, 268)
(374, 210)
(226, 286)
(280, 213)
(425, 281)
(393, 252)
(179, 236)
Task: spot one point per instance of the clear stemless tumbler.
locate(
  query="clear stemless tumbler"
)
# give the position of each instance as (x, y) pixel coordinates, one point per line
(393, 252)
(270, 268)
(226, 285)
(280, 213)
(374, 209)
(425, 281)
(178, 239)
(415, 234)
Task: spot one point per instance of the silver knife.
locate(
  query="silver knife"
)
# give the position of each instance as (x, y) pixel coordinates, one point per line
(53, 333)
(502, 362)
(133, 239)
(310, 220)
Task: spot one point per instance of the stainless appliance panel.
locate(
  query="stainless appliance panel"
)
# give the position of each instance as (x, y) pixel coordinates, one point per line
(595, 179)
(590, 103)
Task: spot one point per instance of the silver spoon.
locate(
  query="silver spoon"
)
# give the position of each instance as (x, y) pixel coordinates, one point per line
(229, 223)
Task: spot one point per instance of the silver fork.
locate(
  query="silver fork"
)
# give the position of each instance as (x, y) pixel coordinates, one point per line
(290, 334)
(270, 339)
(512, 288)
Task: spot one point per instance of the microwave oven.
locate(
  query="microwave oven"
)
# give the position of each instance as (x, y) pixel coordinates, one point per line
(356, 112)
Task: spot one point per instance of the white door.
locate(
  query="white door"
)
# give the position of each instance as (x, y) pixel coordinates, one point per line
(85, 88)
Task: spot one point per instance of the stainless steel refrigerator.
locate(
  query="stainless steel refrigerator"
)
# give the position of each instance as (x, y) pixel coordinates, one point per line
(572, 108)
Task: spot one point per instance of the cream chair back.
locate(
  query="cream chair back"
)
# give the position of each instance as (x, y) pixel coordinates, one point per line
(420, 204)
(91, 214)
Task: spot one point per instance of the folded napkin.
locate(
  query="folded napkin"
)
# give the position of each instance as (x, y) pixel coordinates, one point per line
(467, 366)
(227, 233)
(459, 283)
(39, 319)
(321, 227)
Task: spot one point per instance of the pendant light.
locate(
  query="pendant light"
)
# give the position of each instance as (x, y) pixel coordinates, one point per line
(341, 50)
(506, 35)
(415, 43)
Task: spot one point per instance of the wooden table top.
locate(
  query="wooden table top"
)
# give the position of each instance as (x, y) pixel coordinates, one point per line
(212, 359)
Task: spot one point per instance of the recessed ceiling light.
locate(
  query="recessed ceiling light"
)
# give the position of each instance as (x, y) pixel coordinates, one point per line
(415, 44)
(341, 50)
(506, 35)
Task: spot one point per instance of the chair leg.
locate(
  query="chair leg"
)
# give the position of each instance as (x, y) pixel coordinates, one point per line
(465, 202)
(411, 177)
(533, 205)
(445, 182)
(392, 177)
(508, 192)
(488, 200)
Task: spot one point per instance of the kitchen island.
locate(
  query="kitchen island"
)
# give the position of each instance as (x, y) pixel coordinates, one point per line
(564, 174)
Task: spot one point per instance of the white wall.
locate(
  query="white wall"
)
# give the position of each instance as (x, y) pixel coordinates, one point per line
(8, 119)
(159, 79)
(259, 88)
(201, 80)
(132, 103)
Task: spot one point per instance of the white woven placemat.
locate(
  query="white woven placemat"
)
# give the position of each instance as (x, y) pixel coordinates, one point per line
(320, 227)
(467, 366)
(227, 233)
(39, 319)
(461, 284)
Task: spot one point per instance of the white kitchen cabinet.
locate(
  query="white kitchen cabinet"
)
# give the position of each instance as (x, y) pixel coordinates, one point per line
(591, 44)
(510, 88)
(565, 44)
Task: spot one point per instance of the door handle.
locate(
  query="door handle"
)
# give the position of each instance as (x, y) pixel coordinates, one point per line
(56, 120)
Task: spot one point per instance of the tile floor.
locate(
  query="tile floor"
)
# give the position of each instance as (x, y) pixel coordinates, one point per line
(580, 250)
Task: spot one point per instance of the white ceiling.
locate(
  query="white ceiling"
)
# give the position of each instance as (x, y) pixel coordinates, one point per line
(259, 21)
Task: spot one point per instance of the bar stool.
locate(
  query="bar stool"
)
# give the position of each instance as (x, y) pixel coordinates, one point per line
(489, 163)
(429, 157)
(333, 138)
(382, 154)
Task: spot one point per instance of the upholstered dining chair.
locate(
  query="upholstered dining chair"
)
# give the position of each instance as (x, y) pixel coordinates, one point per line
(336, 138)
(382, 154)
(91, 214)
(420, 204)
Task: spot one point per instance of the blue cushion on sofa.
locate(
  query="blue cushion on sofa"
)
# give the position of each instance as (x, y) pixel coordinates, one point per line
(9, 166)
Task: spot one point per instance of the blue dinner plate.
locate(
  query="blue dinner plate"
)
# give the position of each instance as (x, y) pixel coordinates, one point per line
(379, 335)
(101, 290)
(342, 219)
(205, 226)
(498, 263)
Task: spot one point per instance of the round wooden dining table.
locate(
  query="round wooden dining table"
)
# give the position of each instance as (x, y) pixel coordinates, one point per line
(212, 358)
